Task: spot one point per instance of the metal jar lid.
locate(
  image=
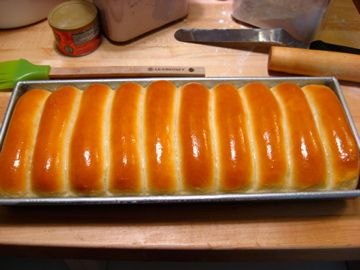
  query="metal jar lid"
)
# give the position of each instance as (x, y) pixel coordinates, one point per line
(72, 15)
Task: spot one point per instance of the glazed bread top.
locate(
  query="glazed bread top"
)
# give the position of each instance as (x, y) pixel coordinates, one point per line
(268, 139)
(306, 154)
(195, 146)
(126, 166)
(339, 144)
(236, 165)
(50, 159)
(163, 138)
(88, 163)
(159, 137)
(17, 151)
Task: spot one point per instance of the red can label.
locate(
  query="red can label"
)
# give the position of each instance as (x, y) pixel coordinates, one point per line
(80, 41)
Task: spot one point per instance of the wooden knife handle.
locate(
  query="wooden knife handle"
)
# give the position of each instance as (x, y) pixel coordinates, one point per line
(126, 71)
(344, 66)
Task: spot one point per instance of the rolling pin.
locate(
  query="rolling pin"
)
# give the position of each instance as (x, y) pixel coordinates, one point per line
(344, 66)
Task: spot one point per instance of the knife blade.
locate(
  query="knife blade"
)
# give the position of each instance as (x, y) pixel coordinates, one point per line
(267, 37)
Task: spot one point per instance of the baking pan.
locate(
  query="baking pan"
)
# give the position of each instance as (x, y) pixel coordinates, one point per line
(52, 85)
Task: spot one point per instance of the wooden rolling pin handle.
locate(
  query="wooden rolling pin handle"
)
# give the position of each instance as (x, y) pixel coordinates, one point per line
(344, 66)
(126, 71)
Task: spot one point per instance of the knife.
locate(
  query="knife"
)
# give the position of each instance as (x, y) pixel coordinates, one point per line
(267, 37)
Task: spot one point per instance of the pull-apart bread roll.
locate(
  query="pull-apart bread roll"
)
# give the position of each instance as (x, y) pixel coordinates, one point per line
(267, 138)
(195, 145)
(236, 168)
(339, 144)
(125, 171)
(50, 160)
(89, 157)
(159, 138)
(163, 138)
(306, 157)
(16, 156)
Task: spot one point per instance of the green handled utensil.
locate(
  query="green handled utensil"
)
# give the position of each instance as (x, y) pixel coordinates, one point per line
(18, 70)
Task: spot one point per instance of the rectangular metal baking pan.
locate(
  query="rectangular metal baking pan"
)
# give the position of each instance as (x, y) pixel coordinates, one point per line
(24, 86)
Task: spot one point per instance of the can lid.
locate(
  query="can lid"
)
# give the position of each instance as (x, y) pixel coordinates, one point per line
(72, 15)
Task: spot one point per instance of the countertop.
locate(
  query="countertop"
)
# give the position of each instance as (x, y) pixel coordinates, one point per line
(229, 231)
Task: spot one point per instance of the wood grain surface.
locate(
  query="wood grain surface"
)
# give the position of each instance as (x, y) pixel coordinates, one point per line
(301, 230)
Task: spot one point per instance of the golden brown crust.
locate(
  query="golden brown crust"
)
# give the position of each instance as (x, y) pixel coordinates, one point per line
(235, 159)
(268, 136)
(336, 135)
(195, 149)
(164, 140)
(49, 171)
(307, 159)
(125, 162)
(159, 133)
(16, 153)
(87, 150)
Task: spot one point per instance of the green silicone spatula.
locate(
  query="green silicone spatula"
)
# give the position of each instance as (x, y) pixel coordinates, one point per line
(18, 70)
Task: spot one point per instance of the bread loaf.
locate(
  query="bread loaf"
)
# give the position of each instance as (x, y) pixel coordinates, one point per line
(187, 139)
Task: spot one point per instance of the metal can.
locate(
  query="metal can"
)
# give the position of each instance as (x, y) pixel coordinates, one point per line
(76, 27)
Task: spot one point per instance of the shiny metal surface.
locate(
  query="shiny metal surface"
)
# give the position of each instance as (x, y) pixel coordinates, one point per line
(184, 198)
(266, 37)
(24, 86)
